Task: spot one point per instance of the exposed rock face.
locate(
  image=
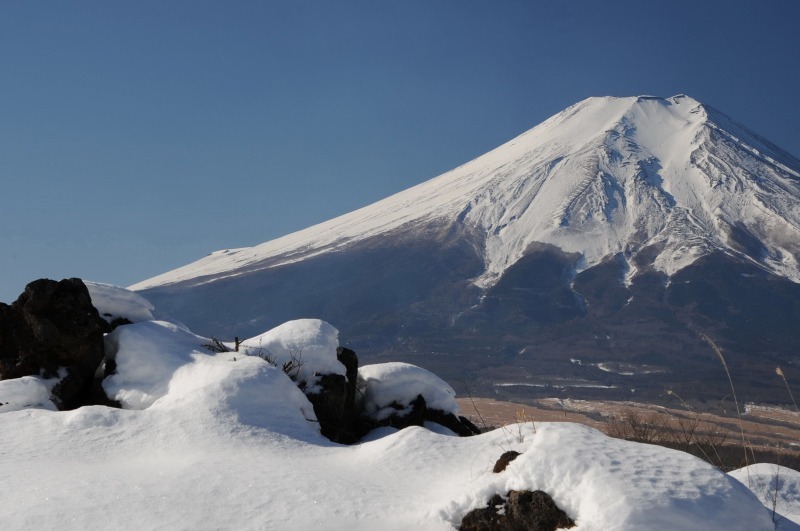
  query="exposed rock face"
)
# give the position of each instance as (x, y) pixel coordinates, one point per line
(53, 325)
(504, 460)
(341, 421)
(334, 404)
(460, 425)
(15, 335)
(522, 510)
(335, 415)
(416, 414)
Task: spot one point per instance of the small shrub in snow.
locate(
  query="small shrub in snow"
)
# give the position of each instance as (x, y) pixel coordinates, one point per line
(291, 367)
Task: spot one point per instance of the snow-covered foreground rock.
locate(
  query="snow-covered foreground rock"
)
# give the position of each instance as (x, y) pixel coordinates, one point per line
(228, 441)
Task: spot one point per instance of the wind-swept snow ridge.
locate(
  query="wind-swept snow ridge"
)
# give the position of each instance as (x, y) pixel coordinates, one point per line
(607, 176)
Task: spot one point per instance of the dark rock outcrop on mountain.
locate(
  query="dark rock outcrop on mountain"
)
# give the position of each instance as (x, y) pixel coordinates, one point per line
(50, 327)
(522, 510)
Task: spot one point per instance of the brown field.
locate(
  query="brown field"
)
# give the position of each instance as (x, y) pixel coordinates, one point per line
(769, 433)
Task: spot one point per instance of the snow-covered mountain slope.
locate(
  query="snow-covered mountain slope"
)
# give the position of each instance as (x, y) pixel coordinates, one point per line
(607, 176)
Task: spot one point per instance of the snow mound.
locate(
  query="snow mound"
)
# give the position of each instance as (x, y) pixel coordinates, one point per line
(228, 441)
(400, 383)
(114, 302)
(147, 355)
(242, 390)
(611, 484)
(161, 366)
(232, 445)
(26, 392)
(310, 342)
(777, 487)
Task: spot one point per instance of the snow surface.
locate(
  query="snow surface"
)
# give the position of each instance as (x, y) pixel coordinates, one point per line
(147, 355)
(26, 392)
(607, 176)
(228, 441)
(114, 302)
(309, 342)
(399, 383)
(778, 488)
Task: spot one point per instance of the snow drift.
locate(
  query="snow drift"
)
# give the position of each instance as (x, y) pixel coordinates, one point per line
(228, 440)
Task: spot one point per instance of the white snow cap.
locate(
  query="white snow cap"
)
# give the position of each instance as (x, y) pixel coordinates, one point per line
(607, 176)
(310, 341)
(113, 302)
(401, 383)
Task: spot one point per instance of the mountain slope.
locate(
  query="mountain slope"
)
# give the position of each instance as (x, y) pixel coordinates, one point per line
(610, 235)
(605, 176)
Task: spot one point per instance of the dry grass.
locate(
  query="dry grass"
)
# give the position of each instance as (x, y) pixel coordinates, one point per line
(767, 429)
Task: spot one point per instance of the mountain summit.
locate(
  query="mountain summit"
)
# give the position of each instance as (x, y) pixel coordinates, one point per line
(595, 249)
(672, 178)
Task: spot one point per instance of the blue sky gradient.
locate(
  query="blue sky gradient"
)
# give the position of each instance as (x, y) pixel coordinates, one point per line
(136, 137)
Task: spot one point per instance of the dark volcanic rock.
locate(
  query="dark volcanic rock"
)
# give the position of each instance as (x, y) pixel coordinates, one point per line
(349, 359)
(460, 425)
(334, 402)
(416, 414)
(504, 460)
(521, 511)
(486, 519)
(15, 337)
(335, 413)
(53, 325)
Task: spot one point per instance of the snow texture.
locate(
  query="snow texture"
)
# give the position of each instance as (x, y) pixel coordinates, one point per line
(399, 383)
(113, 302)
(659, 182)
(147, 355)
(778, 488)
(227, 441)
(26, 392)
(311, 343)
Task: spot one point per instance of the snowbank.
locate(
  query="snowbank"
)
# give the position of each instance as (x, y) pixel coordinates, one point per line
(147, 355)
(401, 383)
(228, 441)
(310, 342)
(777, 487)
(114, 302)
(611, 484)
(26, 392)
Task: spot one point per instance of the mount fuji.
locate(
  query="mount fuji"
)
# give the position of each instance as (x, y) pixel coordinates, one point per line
(587, 257)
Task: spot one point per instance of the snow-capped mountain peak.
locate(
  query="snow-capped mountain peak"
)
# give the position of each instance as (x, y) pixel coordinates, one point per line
(605, 177)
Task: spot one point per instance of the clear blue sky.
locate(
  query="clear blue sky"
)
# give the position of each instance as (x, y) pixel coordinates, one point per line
(136, 137)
